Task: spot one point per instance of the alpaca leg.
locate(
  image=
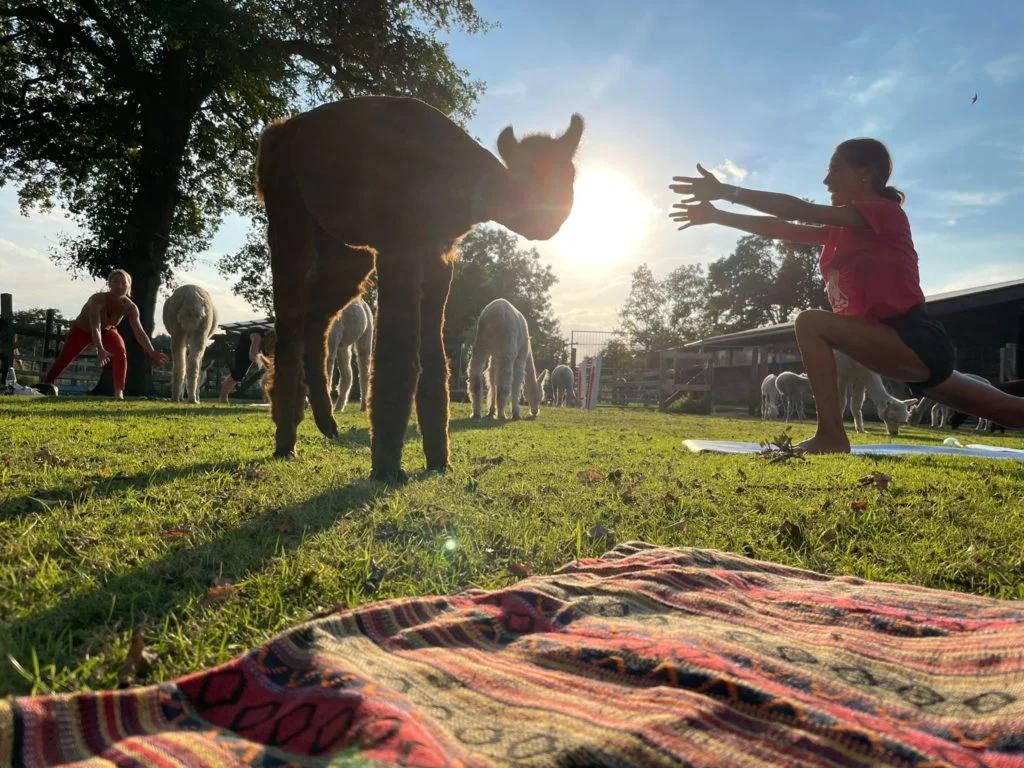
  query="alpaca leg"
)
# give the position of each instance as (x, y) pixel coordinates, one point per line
(177, 366)
(291, 254)
(332, 368)
(432, 390)
(491, 383)
(364, 347)
(477, 384)
(333, 282)
(396, 362)
(857, 406)
(344, 373)
(195, 352)
(516, 389)
(503, 380)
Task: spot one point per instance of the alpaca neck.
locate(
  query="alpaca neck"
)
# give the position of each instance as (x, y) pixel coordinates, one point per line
(876, 389)
(532, 388)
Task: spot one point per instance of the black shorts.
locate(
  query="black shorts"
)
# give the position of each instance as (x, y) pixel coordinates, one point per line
(928, 339)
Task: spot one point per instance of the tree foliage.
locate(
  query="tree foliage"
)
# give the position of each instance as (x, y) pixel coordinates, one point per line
(141, 119)
(762, 282)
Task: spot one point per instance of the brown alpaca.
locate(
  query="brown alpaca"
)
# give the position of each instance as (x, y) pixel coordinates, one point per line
(390, 183)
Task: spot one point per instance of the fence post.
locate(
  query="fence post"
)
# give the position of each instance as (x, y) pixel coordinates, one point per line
(6, 335)
(48, 334)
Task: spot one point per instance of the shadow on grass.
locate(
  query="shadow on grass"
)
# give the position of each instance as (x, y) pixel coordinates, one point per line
(106, 487)
(157, 588)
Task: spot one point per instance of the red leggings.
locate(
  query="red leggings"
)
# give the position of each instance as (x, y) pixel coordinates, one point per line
(78, 340)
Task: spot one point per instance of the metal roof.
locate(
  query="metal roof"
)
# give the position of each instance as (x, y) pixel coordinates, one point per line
(944, 303)
(242, 326)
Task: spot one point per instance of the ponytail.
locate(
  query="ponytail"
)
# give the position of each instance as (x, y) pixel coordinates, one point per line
(891, 193)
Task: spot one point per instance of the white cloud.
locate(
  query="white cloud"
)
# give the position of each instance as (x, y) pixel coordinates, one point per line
(881, 86)
(511, 88)
(618, 65)
(977, 277)
(1006, 69)
(976, 199)
(730, 171)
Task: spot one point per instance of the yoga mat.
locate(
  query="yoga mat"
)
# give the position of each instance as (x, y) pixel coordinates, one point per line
(972, 450)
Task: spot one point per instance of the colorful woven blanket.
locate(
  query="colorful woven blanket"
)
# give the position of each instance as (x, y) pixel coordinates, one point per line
(646, 656)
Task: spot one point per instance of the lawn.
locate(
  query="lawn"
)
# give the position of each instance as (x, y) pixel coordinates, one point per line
(171, 524)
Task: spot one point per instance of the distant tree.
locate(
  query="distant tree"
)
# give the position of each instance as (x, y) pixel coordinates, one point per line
(739, 286)
(34, 319)
(646, 317)
(798, 282)
(141, 118)
(685, 290)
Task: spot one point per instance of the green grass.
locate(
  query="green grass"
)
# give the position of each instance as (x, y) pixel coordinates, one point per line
(122, 518)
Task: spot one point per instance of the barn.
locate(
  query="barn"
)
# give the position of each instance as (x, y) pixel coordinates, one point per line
(985, 323)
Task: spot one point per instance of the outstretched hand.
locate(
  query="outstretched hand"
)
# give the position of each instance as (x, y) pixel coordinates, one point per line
(692, 214)
(702, 188)
(158, 357)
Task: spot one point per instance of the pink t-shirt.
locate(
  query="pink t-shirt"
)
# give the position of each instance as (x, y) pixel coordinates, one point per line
(872, 273)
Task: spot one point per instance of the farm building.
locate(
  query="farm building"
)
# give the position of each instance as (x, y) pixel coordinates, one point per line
(986, 325)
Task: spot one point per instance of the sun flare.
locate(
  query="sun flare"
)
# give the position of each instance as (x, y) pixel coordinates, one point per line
(609, 218)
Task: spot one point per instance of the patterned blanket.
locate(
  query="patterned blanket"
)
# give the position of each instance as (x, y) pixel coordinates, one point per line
(646, 656)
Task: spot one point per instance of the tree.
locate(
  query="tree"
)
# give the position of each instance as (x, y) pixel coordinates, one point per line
(651, 318)
(739, 286)
(141, 119)
(798, 282)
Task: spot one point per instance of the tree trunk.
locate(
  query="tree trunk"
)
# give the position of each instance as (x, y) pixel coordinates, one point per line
(167, 121)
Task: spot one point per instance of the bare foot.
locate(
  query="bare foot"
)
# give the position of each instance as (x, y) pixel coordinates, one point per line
(822, 444)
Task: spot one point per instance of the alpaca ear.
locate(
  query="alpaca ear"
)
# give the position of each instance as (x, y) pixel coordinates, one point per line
(570, 140)
(911, 403)
(508, 145)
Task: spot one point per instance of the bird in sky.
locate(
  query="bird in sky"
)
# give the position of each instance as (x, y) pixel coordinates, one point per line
(974, 99)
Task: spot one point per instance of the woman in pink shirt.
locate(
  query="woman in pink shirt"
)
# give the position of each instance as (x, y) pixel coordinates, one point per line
(869, 265)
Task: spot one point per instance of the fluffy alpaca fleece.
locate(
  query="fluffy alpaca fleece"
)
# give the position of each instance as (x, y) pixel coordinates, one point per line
(331, 181)
(563, 387)
(770, 398)
(352, 330)
(503, 361)
(794, 389)
(191, 319)
(856, 382)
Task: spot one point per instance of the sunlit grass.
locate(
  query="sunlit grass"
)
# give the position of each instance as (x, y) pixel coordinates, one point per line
(172, 522)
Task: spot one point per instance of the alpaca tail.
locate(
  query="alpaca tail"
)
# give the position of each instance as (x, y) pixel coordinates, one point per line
(268, 156)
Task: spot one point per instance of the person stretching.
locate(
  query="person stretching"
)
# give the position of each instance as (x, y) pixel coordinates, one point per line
(97, 324)
(870, 269)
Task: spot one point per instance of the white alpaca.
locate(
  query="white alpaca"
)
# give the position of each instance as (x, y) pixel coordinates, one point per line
(563, 387)
(191, 319)
(351, 329)
(856, 381)
(503, 359)
(770, 398)
(794, 388)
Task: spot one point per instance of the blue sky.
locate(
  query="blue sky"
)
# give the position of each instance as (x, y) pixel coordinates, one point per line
(761, 91)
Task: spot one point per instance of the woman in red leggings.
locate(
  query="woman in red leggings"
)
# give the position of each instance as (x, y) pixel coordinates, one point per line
(97, 324)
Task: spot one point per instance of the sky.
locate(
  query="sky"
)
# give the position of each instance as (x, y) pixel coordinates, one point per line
(761, 92)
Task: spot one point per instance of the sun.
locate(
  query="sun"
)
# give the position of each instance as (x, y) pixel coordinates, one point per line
(609, 219)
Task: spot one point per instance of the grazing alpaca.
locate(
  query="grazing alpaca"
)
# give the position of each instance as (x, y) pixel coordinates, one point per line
(563, 387)
(352, 329)
(942, 415)
(190, 318)
(332, 180)
(794, 388)
(503, 360)
(856, 381)
(769, 398)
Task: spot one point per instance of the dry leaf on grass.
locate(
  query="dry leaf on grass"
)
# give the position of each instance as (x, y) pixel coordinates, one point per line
(522, 569)
(599, 532)
(615, 476)
(591, 476)
(173, 533)
(858, 505)
(248, 473)
(670, 498)
(221, 590)
(136, 662)
(791, 533)
(47, 456)
(879, 480)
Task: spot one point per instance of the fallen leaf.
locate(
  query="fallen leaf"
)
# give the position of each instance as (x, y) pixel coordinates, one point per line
(670, 498)
(522, 569)
(6, 458)
(858, 505)
(598, 532)
(104, 472)
(248, 473)
(879, 480)
(520, 498)
(748, 549)
(221, 590)
(136, 662)
(829, 536)
(173, 533)
(615, 476)
(49, 457)
(790, 533)
(591, 476)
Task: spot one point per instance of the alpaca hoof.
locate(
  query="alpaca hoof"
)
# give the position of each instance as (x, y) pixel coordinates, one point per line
(440, 468)
(286, 454)
(390, 476)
